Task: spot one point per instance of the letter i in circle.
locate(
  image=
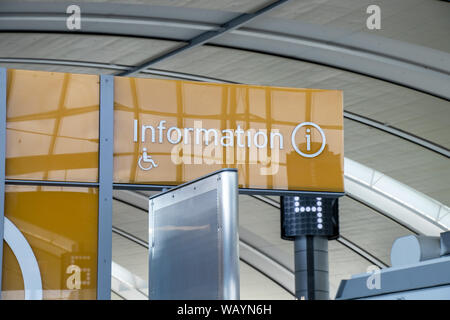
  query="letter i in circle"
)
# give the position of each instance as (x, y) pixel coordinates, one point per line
(308, 140)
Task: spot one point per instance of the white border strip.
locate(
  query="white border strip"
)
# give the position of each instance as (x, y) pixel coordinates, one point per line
(27, 261)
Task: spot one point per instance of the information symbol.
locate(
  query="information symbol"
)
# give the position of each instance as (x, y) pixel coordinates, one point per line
(308, 139)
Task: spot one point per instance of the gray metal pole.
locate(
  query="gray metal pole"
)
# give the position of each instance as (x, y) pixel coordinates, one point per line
(311, 268)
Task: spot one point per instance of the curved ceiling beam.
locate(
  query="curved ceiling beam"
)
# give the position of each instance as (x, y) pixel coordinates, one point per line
(130, 286)
(401, 203)
(267, 266)
(413, 66)
(272, 264)
(179, 75)
(365, 190)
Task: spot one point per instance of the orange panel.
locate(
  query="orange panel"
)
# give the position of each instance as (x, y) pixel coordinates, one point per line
(52, 126)
(60, 224)
(251, 128)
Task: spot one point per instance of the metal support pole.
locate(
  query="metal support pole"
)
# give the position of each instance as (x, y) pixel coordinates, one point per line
(106, 148)
(311, 268)
(205, 37)
(2, 163)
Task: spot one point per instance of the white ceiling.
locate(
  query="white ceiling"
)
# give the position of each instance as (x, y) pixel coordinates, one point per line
(421, 22)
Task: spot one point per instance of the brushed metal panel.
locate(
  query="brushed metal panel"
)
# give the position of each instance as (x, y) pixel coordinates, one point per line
(184, 262)
(193, 240)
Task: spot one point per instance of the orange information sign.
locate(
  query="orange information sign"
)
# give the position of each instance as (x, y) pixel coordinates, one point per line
(171, 131)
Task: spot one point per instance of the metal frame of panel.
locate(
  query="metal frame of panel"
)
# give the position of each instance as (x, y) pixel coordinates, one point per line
(2, 163)
(417, 211)
(106, 149)
(248, 191)
(224, 240)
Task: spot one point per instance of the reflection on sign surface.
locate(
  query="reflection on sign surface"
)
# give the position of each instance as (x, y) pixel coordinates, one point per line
(170, 132)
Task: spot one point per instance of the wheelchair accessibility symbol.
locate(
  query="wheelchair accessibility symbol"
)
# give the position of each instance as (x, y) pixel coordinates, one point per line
(149, 163)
